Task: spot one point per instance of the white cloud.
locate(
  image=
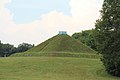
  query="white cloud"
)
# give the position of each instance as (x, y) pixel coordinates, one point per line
(84, 14)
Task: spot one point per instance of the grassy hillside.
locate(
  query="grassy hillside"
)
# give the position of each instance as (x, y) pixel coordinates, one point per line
(52, 68)
(59, 44)
(62, 43)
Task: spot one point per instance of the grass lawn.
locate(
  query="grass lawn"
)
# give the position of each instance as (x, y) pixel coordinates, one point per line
(52, 68)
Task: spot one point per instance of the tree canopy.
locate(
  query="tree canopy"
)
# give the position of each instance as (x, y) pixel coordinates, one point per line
(108, 36)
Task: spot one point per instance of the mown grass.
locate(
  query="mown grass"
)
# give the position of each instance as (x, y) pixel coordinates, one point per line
(52, 68)
(56, 54)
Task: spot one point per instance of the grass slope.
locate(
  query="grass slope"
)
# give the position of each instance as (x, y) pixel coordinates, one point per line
(62, 43)
(52, 68)
(59, 44)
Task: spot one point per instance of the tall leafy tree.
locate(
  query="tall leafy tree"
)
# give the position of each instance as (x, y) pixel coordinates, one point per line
(108, 36)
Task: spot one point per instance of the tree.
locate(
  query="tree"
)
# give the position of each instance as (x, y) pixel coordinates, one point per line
(6, 50)
(86, 37)
(108, 36)
(24, 47)
(0, 48)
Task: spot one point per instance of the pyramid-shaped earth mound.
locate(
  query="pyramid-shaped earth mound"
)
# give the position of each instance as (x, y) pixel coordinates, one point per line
(62, 43)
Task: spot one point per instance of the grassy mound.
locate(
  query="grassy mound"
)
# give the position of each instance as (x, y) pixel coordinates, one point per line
(52, 68)
(63, 44)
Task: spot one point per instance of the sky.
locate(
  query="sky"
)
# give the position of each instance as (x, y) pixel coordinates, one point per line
(34, 21)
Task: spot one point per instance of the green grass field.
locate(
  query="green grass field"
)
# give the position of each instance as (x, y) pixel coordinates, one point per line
(59, 58)
(52, 68)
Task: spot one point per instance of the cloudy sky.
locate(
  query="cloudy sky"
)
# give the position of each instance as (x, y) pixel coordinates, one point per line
(34, 21)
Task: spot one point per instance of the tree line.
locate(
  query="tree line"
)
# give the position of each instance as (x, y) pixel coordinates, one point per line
(8, 49)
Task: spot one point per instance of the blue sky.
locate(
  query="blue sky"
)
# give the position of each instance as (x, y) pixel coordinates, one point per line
(26, 11)
(34, 21)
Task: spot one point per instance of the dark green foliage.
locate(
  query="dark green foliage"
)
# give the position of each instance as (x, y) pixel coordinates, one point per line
(8, 49)
(0, 48)
(24, 47)
(108, 36)
(86, 37)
